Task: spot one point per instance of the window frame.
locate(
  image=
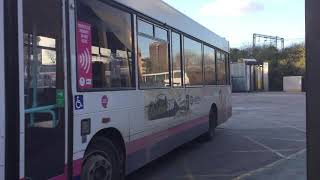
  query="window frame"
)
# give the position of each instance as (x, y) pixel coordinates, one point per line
(159, 27)
(201, 44)
(226, 63)
(215, 65)
(135, 16)
(181, 59)
(225, 59)
(140, 18)
(133, 55)
(218, 58)
(228, 71)
(144, 21)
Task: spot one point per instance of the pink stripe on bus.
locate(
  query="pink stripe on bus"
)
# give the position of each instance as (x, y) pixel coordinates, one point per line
(77, 166)
(61, 177)
(139, 144)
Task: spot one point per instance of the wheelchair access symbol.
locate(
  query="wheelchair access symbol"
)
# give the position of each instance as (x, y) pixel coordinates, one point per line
(78, 102)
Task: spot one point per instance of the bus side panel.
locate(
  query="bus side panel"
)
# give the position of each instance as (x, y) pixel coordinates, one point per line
(164, 123)
(181, 100)
(225, 107)
(110, 109)
(159, 109)
(151, 147)
(212, 96)
(156, 115)
(2, 100)
(175, 117)
(197, 103)
(228, 95)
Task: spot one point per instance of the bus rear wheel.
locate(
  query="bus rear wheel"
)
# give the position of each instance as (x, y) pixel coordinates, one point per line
(209, 135)
(102, 161)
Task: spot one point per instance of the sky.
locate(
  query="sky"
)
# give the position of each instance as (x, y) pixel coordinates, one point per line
(237, 20)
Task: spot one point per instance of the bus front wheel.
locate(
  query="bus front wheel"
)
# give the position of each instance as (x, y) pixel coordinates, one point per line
(102, 161)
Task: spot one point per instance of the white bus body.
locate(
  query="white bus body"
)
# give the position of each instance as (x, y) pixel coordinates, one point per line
(174, 18)
(100, 76)
(127, 111)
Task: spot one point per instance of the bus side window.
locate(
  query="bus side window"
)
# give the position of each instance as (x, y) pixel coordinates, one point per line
(111, 31)
(177, 69)
(193, 62)
(209, 66)
(153, 55)
(228, 70)
(221, 68)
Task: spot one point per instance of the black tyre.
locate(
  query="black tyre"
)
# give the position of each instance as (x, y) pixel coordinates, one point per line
(212, 125)
(102, 161)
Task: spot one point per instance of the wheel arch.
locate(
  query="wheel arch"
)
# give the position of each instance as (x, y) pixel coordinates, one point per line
(114, 135)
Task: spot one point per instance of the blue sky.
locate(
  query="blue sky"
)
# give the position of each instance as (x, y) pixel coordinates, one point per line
(237, 20)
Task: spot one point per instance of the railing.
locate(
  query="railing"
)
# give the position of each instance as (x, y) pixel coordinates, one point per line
(44, 109)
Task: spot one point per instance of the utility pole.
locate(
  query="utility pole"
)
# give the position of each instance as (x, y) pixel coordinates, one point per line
(266, 39)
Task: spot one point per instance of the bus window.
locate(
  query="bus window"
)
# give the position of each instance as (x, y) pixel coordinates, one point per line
(228, 70)
(221, 68)
(153, 61)
(193, 62)
(176, 60)
(153, 58)
(145, 28)
(209, 65)
(40, 68)
(161, 33)
(111, 30)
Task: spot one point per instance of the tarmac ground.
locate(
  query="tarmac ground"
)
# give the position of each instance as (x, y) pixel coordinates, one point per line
(264, 140)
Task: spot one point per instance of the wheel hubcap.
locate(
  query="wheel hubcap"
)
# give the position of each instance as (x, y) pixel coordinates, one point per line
(101, 169)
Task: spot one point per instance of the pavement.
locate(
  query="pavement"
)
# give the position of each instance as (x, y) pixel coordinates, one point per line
(264, 140)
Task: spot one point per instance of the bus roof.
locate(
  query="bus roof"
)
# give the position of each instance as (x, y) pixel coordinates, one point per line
(161, 11)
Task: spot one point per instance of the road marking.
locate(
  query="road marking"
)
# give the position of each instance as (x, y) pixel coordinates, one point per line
(187, 170)
(268, 166)
(266, 147)
(197, 176)
(290, 126)
(217, 175)
(262, 151)
(284, 139)
(249, 108)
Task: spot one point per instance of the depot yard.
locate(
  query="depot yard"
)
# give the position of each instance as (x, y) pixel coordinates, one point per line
(265, 139)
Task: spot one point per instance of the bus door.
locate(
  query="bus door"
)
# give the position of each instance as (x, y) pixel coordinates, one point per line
(44, 89)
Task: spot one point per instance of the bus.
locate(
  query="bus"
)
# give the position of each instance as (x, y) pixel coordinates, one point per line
(96, 89)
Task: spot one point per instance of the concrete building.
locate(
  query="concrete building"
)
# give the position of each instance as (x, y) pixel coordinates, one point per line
(248, 75)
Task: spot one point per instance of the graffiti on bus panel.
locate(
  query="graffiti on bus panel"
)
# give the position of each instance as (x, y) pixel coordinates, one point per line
(163, 106)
